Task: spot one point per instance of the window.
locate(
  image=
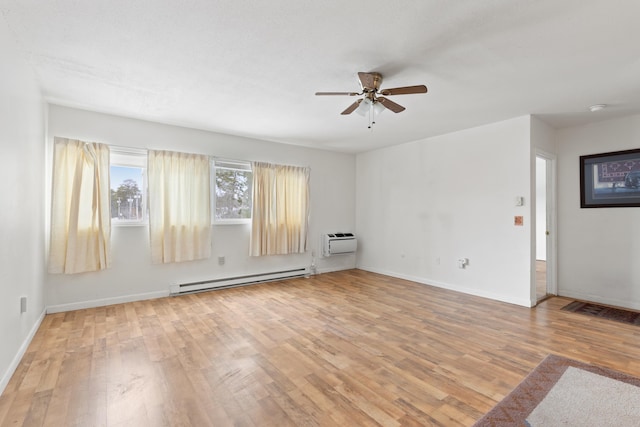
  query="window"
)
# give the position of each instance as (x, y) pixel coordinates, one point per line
(128, 186)
(233, 188)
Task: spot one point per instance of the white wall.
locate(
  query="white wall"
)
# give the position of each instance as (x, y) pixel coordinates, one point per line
(132, 276)
(598, 249)
(21, 205)
(543, 137)
(422, 205)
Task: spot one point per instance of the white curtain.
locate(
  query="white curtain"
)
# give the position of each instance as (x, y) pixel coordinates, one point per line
(179, 208)
(280, 216)
(80, 208)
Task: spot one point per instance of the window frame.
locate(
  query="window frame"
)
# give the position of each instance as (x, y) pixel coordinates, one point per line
(238, 165)
(131, 158)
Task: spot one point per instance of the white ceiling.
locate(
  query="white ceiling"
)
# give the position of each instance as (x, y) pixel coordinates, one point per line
(251, 67)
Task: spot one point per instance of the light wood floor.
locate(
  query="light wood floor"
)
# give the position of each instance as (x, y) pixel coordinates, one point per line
(340, 349)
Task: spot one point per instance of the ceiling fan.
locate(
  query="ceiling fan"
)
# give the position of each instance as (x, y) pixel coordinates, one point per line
(373, 97)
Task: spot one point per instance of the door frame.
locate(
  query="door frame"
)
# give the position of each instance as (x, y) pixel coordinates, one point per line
(551, 217)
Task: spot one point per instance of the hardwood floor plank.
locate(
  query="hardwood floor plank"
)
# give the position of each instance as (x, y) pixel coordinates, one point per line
(38, 409)
(19, 409)
(343, 407)
(58, 406)
(337, 349)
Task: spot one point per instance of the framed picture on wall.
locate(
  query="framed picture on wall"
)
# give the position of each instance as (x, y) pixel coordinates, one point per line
(610, 180)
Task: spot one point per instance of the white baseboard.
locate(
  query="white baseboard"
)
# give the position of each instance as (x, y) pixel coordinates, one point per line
(595, 298)
(332, 269)
(21, 351)
(58, 308)
(105, 301)
(456, 288)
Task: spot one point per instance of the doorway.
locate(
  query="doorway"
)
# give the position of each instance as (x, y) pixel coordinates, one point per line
(545, 265)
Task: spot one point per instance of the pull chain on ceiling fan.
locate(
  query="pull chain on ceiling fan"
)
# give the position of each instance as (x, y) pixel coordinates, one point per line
(372, 101)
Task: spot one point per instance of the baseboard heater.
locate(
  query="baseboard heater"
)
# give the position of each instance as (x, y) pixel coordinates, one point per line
(230, 282)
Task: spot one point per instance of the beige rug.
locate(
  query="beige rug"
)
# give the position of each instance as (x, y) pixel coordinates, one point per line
(565, 392)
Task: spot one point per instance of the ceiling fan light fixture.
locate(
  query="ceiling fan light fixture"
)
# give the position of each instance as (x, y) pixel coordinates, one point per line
(597, 107)
(378, 108)
(364, 107)
(367, 105)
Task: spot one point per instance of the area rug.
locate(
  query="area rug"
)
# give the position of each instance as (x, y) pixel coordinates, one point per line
(604, 312)
(566, 392)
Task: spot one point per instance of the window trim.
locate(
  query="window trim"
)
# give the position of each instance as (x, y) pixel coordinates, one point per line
(230, 164)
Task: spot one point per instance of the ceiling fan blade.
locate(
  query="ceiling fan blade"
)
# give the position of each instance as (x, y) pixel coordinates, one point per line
(351, 108)
(370, 81)
(406, 90)
(396, 108)
(339, 93)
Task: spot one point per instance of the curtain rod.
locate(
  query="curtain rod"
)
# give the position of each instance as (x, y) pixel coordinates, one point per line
(228, 160)
(119, 149)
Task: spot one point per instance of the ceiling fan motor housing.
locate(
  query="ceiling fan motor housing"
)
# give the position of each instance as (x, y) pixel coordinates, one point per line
(370, 82)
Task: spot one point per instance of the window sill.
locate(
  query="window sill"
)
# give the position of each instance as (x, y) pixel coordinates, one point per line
(232, 222)
(129, 224)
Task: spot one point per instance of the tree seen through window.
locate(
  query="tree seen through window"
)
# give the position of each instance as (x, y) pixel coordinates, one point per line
(233, 193)
(127, 202)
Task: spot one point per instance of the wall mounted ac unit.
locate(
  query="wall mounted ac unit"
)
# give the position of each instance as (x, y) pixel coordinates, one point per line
(339, 243)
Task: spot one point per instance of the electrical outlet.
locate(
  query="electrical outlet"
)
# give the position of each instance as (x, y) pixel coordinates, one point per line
(437, 260)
